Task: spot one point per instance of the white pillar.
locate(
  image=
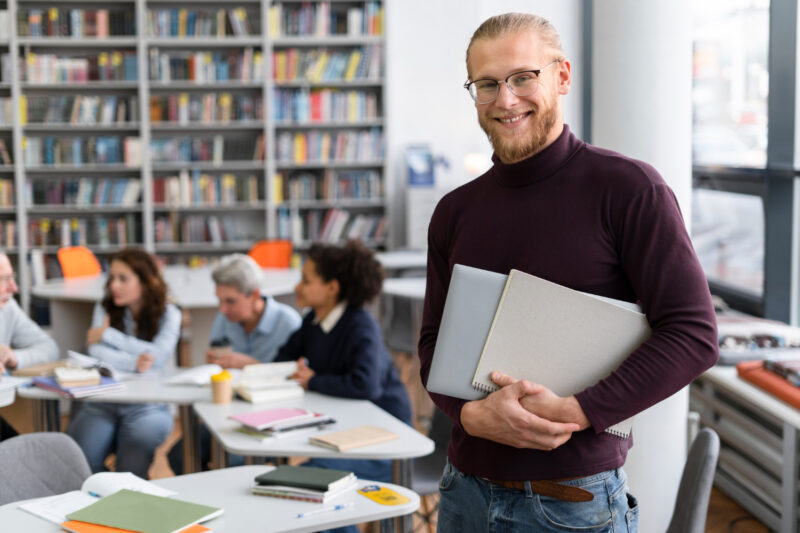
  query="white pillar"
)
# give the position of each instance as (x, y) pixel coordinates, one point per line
(641, 107)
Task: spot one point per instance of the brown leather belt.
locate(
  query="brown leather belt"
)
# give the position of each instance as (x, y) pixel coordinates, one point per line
(551, 489)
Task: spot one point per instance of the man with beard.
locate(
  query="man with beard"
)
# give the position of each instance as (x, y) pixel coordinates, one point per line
(523, 458)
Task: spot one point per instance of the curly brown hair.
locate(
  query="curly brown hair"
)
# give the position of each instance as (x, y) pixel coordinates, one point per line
(353, 265)
(154, 293)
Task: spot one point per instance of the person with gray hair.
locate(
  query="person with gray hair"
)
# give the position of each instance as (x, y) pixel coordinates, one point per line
(249, 329)
(254, 326)
(22, 341)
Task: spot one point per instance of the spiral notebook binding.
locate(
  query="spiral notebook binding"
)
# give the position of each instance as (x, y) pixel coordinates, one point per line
(617, 433)
(486, 389)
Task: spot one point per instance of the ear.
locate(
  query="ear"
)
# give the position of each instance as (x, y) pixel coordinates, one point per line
(332, 287)
(564, 76)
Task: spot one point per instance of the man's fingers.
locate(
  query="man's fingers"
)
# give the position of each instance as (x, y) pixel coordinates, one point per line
(501, 379)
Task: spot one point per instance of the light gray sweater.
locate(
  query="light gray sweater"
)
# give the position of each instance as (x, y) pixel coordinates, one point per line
(31, 345)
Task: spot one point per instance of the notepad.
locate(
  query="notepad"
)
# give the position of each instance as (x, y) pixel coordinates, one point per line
(307, 477)
(564, 339)
(357, 437)
(145, 513)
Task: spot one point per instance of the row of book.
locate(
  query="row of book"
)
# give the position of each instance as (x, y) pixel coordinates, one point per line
(67, 22)
(104, 66)
(201, 188)
(79, 109)
(8, 234)
(321, 19)
(51, 150)
(183, 22)
(319, 146)
(205, 66)
(5, 155)
(172, 229)
(321, 65)
(100, 231)
(324, 105)
(7, 194)
(332, 226)
(84, 192)
(6, 111)
(208, 108)
(215, 149)
(331, 185)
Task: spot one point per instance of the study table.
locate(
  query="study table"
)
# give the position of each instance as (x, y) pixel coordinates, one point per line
(72, 301)
(230, 490)
(759, 436)
(146, 388)
(348, 413)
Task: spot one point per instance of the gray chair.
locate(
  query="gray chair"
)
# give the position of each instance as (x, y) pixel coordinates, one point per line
(694, 491)
(40, 464)
(427, 470)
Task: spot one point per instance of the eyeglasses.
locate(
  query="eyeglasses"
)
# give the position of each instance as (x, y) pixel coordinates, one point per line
(7, 279)
(523, 83)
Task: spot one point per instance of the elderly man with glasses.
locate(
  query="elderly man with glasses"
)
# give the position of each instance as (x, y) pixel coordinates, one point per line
(22, 342)
(523, 458)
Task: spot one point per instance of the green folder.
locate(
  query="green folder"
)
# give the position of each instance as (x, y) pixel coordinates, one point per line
(137, 511)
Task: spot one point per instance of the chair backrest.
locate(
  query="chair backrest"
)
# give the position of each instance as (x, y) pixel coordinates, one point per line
(694, 492)
(77, 261)
(40, 464)
(272, 254)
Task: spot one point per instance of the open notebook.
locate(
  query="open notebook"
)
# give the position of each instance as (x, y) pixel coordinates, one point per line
(530, 329)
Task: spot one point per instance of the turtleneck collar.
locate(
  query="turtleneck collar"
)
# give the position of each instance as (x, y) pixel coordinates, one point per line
(538, 166)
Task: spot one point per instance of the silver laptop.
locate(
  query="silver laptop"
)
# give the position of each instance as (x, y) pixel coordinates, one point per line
(472, 300)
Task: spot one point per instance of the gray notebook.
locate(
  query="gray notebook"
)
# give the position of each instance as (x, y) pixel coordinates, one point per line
(472, 299)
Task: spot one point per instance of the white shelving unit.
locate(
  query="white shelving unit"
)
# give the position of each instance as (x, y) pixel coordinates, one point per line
(275, 213)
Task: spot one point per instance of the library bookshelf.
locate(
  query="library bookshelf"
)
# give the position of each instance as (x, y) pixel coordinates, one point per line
(191, 128)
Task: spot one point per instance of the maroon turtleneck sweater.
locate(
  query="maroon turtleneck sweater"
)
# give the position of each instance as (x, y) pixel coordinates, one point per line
(595, 221)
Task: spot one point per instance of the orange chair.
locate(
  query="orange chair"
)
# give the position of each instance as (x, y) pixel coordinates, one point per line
(77, 261)
(272, 254)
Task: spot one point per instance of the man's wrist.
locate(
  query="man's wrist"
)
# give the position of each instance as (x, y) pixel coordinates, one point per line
(574, 412)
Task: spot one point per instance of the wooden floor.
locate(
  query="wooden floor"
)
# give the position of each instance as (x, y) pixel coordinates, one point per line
(724, 515)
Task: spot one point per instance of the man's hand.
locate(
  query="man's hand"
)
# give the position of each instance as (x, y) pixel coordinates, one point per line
(230, 359)
(303, 374)
(500, 417)
(144, 362)
(7, 358)
(547, 404)
(95, 335)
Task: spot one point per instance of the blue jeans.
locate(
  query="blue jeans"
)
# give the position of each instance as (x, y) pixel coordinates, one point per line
(470, 503)
(373, 469)
(133, 431)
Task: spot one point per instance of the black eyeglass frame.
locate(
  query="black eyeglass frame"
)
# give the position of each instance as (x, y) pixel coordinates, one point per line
(536, 72)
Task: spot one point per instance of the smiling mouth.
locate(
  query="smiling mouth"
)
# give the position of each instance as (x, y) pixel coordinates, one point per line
(512, 120)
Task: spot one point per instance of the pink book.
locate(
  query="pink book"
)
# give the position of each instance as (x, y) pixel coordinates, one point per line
(264, 419)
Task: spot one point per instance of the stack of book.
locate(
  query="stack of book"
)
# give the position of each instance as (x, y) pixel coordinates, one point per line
(281, 421)
(105, 386)
(779, 377)
(268, 382)
(305, 483)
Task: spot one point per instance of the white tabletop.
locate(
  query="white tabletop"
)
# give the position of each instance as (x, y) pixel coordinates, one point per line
(8, 386)
(725, 377)
(189, 287)
(348, 414)
(144, 388)
(230, 489)
(403, 259)
(411, 288)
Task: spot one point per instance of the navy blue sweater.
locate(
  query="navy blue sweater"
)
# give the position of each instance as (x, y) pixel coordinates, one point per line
(350, 361)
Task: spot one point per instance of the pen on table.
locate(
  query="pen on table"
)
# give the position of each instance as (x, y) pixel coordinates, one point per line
(337, 507)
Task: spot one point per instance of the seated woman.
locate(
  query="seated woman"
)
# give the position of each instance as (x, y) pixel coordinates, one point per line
(339, 347)
(134, 329)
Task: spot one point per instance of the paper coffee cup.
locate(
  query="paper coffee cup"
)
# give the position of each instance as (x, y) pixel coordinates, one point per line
(222, 387)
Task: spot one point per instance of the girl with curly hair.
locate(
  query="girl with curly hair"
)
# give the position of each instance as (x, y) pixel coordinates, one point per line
(339, 347)
(134, 329)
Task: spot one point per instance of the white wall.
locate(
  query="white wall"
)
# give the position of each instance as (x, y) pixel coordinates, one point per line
(641, 106)
(425, 101)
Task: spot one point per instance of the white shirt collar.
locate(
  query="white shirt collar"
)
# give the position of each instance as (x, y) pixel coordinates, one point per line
(330, 321)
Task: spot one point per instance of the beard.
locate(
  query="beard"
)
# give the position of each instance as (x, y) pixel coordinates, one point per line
(524, 143)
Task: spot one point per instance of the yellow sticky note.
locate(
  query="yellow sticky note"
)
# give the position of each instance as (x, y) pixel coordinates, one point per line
(383, 495)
